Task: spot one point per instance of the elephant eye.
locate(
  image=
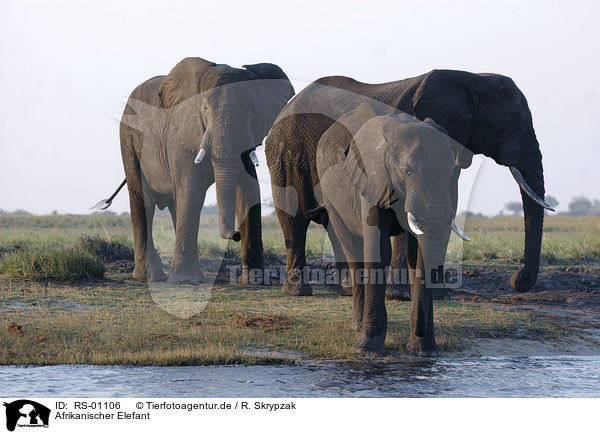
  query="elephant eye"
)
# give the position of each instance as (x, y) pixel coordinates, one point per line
(408, 171)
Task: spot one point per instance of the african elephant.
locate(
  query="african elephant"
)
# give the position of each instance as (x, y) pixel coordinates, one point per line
(487, 113)
(383, 173)
(182, 132)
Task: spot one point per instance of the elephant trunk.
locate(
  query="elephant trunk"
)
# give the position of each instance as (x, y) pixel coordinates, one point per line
(533, 173)
(433, 213)
(432, 246)
(226, 179)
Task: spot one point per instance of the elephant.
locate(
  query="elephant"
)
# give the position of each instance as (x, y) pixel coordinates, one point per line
(182, 132)
(486, 113)
(382, 173)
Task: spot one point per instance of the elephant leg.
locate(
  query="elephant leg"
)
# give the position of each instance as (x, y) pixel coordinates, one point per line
(352, 250)
(140, 204)
(377, 255)
(344, 285)
(188, 204)
(140, 230)
(139, 226)
(422, 336)
(358, 296)
(248, 216)
(154, 266)
(173, 213)
(294, 233)
(398, 287)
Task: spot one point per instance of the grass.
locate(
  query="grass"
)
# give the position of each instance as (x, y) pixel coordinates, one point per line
(120, 321)
(60, 264)
(566, 240)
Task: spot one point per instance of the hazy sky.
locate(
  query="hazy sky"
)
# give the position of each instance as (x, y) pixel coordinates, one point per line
(67, 66)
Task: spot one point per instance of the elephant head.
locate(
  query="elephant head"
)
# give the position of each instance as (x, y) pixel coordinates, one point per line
(223, 113)
(401, 163)
(489, 115)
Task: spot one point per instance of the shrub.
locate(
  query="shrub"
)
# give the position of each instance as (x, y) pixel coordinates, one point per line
(106, 251)
(60, 264)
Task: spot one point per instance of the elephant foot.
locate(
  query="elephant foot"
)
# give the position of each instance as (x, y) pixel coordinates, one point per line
(345, 286)
(370, 344)
(195, 277)
(342, 290)
(424, 346)
(297, 289)
(156, 275)
(522, 281)
(153, 273)
(252, 278)
(139, 273)
(397, 292)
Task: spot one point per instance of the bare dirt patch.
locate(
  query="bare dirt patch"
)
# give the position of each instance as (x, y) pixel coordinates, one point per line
(269, 323)
(14, 329)
(561, 287)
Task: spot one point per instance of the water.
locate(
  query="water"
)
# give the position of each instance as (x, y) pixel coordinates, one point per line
(560, 376)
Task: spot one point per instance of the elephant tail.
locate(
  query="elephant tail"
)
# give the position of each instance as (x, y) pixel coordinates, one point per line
(318, 215)
(105, 203)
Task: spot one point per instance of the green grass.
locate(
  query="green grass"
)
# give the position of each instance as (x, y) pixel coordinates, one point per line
(60, 264)
(566, 239)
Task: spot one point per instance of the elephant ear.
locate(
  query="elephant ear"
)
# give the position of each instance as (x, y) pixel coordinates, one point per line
(334, 144)
(464, 156)
(275, 91)
(184, 81)
(366, 163)
(450, 99)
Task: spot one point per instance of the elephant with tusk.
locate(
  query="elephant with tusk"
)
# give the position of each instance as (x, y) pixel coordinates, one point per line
(182, 132)
(486, 113)
(383, 174)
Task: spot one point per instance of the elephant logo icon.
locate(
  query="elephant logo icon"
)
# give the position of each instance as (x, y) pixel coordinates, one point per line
(26, 413)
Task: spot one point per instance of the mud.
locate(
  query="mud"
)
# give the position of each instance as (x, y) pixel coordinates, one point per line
(558, 287)
(567, 287)
(268, 323)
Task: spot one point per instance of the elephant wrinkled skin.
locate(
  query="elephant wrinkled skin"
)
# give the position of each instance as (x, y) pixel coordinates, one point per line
(182, 132)
(383, 174)
(487, 113)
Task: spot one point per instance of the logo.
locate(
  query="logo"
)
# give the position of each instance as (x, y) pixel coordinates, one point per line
(26, 413)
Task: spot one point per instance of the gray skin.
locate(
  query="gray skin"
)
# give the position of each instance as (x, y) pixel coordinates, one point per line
(199, 105)
(487, 113)
(375, 168)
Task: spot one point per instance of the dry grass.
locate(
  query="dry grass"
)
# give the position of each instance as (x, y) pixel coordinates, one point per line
(115, 321)
(120, 323)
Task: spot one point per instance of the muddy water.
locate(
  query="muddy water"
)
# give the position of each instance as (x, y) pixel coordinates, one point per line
(558, 376)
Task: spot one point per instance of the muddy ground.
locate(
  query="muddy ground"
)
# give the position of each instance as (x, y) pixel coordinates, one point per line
(574, 287)
(571, 288)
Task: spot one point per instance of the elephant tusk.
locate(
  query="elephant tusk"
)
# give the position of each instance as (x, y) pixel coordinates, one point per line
(516, 173)
(412, 222)
(254, 158)
(200, 156)
(458, 231)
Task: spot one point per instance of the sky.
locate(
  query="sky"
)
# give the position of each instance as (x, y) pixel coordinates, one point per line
(67, 68)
